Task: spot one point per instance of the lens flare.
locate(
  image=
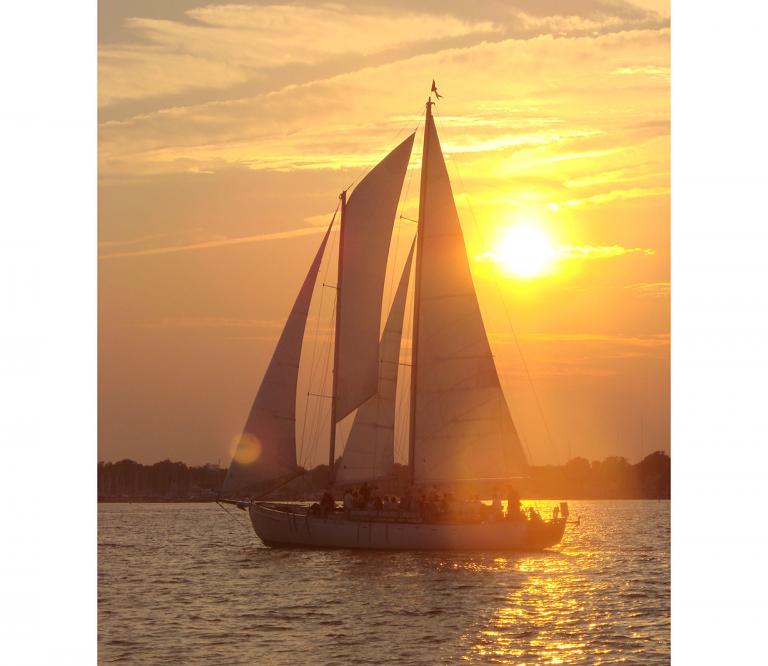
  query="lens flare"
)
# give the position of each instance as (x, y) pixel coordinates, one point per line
(248, 450)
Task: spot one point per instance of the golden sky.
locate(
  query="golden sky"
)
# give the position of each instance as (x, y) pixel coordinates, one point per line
(227, 131)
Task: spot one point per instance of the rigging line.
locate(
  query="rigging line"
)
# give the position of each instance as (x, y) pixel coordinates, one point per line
(319, 421)
(315, 341)
(221, 506)
(316, 359)
(509, 320)
(398, 132)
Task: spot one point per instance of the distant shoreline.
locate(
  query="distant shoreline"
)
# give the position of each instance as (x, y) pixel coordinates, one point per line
(611, 478)
(283, 499)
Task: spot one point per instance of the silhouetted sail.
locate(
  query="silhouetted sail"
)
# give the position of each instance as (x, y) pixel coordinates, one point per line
(463, 428)
(267, 447)
(370, 450)
(367, 231)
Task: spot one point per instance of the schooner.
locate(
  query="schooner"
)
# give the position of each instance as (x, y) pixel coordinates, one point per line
(460, 428)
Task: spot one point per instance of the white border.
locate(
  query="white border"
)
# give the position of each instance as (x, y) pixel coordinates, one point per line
(48, 342)
(48, 333)
(719, 332)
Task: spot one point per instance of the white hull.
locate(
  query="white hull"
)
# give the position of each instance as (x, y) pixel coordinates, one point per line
(281, 526)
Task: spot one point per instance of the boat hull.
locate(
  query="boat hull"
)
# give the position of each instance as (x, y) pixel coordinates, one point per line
(277, 526)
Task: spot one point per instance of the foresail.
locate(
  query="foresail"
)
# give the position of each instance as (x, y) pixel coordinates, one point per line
(367, 231)
(370, 450)
(463, 428)
(267, 447)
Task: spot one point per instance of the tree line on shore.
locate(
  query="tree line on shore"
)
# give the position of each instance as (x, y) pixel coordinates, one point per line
(612, 478)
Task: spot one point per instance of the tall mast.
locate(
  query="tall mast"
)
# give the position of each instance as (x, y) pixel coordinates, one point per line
(416, 298)
(334, 390)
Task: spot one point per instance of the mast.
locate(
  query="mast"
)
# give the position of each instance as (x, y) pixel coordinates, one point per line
(416, 297)
(336, 337)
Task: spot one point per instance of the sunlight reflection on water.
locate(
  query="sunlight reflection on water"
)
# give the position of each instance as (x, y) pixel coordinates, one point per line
(189, 584)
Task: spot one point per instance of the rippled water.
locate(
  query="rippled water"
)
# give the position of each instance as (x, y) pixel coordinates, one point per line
(191, 584)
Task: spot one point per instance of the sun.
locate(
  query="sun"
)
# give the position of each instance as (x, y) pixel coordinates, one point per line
(525, 251)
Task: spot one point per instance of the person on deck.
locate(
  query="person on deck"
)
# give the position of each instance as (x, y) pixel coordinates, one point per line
(327, 503)
(496, 504)
(514, 512)
(365, 493)
(422, 505)
(480, 509)
(349, 502)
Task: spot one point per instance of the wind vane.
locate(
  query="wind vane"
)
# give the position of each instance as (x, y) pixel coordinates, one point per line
(434, 90)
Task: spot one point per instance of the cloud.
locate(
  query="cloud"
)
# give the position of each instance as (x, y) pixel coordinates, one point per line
(237, 323)
(218, 242)
(218, 46)
(581, 354)
(133, 241)
(348, 119)
(600, 251)
(651, 289)
(577, 253)
(210, 322)
(656, 340)
(618, 195)
(647, 70)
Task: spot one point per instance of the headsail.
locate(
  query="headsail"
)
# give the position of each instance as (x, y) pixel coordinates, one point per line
(366, 235)
(267, 447)
(370, 450)
(463, 428)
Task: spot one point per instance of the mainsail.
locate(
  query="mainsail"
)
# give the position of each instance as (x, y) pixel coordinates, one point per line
(267, 447)
(460, 424)
(462, 427)
(365, 238)
(370, 450)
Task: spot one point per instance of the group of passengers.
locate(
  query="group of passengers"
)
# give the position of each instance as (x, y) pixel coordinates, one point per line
(432, 505)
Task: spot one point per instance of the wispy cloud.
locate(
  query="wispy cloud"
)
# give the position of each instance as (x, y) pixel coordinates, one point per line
(311, 125)
(219, 242)
(209, 322)
(578, 253)
(650, 289)
(617, 195)
(600, 251)
(110, 244)
(648, 70)
(221, 45)
(655, 340)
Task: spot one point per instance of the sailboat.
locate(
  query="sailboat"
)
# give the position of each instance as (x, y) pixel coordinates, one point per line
(460, 429)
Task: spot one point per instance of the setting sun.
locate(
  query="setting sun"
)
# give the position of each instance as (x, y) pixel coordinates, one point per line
(525, 251)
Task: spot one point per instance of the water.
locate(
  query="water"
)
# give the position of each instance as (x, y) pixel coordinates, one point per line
(189, 584)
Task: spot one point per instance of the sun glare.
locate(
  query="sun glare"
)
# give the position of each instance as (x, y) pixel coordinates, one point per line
(525, 251)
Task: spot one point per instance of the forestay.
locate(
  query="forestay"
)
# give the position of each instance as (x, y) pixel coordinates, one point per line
(267, 447)
(367, 231)
(370, 450)
(463, 428)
